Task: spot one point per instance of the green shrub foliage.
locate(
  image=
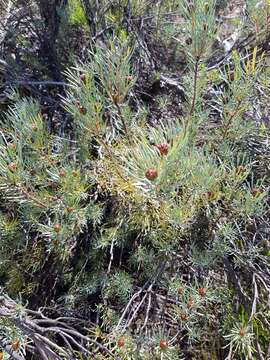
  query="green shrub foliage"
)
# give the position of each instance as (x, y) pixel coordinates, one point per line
(163, 231)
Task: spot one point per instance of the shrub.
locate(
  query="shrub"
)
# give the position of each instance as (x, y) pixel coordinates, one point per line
(162, 230)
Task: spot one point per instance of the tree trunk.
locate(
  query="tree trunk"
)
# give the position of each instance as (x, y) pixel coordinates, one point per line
(90, 15)
(48, 10)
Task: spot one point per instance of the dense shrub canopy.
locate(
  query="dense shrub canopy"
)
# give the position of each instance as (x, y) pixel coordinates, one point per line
(134, 180)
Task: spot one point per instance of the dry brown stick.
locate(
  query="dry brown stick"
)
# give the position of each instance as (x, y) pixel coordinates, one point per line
(255, 298)
(111, 258)
(81, 336)
(128, 306)
(147, 311)
(82, 348)
(44, 344)
(195, 81)
(232, 116)
(136, 311)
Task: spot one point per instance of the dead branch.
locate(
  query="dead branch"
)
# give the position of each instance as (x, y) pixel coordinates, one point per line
(43, 332)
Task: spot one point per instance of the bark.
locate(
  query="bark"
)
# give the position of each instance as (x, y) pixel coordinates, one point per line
(90, 15)
(50, 15)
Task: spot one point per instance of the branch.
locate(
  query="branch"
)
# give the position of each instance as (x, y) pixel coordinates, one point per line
(45, 338)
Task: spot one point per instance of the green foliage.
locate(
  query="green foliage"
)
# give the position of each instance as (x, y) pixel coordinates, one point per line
(100, 91)
(76, 13)
(258, 14)
(141, 223)
(118, 288)
(241, 338)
